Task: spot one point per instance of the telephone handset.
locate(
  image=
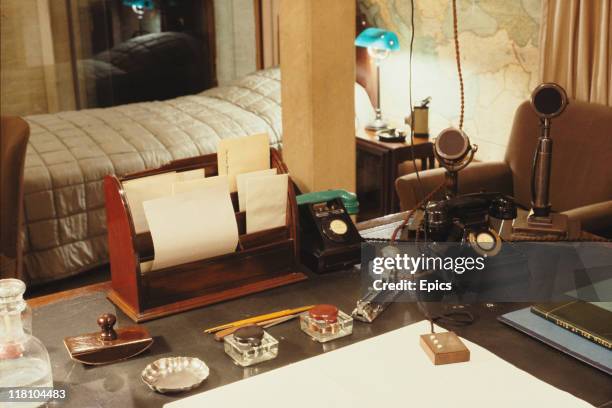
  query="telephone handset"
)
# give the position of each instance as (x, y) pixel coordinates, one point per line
(466, 218)
(329, 240)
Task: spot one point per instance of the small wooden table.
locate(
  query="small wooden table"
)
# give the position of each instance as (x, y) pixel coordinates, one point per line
(377, 170)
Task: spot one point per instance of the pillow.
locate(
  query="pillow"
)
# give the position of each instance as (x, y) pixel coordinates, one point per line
(364, 112)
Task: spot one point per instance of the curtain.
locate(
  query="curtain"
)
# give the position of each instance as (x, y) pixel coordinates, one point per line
(269, 26)
(576, 48)
(235, 26)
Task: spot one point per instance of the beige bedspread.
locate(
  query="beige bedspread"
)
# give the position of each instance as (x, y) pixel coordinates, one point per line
(70, 152)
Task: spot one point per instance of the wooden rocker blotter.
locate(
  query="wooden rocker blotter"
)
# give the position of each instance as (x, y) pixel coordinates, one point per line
(108, 345)
(263, 260)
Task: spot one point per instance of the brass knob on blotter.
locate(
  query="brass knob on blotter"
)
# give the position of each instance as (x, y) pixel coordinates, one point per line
(106, 323)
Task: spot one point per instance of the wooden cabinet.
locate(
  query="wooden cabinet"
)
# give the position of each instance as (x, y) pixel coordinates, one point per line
(377, 170)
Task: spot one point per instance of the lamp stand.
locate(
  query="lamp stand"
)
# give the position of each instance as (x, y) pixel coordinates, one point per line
(378, 123)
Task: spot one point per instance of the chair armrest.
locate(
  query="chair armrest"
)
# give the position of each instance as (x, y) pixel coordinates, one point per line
(594, 218)
(488, 176)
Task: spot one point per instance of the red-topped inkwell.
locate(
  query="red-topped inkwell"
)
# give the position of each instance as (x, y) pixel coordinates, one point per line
(325, 322)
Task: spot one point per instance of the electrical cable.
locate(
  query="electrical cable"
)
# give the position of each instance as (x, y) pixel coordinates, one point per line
(416, 169)
(461, 112)
(409, 214)
(455, 318)
(458, 57)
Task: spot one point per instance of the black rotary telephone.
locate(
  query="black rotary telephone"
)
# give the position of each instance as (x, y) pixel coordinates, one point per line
(329, 240)
(465, 218)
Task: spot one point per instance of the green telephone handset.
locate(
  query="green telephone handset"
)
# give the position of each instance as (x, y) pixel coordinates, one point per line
(329, 240)
(348, 199)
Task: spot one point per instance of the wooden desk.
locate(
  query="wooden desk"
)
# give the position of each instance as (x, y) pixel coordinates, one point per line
(377, 170)
(119, 384)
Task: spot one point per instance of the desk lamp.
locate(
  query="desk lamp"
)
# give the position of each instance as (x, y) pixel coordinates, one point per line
(379, 43)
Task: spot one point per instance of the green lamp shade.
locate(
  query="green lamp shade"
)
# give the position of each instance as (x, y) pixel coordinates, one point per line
(145, 4)
(378, 38)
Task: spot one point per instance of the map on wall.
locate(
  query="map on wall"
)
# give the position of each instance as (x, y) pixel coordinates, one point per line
(499, 55)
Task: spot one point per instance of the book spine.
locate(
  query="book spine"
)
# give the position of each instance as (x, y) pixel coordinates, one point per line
(570, 327)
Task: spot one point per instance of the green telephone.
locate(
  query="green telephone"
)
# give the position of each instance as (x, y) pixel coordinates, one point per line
(329, 240)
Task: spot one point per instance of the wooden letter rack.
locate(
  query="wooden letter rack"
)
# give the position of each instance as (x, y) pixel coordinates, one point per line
(263, 260)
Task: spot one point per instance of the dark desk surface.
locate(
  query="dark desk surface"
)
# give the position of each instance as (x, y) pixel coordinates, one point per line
(120, 384)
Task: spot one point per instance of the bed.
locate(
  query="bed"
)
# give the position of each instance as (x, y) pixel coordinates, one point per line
(69, 153)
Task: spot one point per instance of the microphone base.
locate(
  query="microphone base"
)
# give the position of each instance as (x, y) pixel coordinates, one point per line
(554, 225)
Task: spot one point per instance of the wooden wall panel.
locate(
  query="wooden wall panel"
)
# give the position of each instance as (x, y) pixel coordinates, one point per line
(318, 75)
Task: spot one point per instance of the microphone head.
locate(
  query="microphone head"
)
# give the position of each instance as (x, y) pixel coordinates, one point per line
(548, 100)
(452, 144)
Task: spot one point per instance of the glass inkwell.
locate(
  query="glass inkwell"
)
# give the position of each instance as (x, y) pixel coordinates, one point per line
(325, 322)
(250, 345)
(24, 360)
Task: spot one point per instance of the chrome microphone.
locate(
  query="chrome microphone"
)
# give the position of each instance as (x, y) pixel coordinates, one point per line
(454, 152)
(548, 100)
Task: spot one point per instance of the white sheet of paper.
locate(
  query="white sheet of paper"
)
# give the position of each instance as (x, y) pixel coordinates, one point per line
(191, 185)
(146, 188)
(390, 370)
(241, 184)
(192, 226)
(191, 174)
(266, 202)
(243, 155)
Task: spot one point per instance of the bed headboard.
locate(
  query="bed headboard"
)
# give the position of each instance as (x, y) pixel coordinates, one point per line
(364, 67)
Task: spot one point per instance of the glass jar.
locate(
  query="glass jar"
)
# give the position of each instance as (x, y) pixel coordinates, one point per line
(24, 360)
(250, 345)
(325, 322)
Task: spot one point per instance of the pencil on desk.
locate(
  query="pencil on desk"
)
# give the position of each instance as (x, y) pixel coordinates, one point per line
(261, 318)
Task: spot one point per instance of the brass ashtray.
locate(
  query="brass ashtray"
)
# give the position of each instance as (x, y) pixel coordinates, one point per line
(175, 374)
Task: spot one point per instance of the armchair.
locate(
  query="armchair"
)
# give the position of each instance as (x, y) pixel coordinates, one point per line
(581, 180)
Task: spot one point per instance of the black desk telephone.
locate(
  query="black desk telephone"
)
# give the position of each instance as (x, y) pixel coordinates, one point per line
(466, 218)
(329, 240)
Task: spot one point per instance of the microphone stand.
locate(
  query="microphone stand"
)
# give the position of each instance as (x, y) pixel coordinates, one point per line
(452, 183)
(451, 175)
(540, 220)
(540, 203)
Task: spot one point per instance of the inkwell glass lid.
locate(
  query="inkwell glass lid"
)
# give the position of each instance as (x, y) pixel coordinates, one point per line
(324, 313)
(251, 334)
